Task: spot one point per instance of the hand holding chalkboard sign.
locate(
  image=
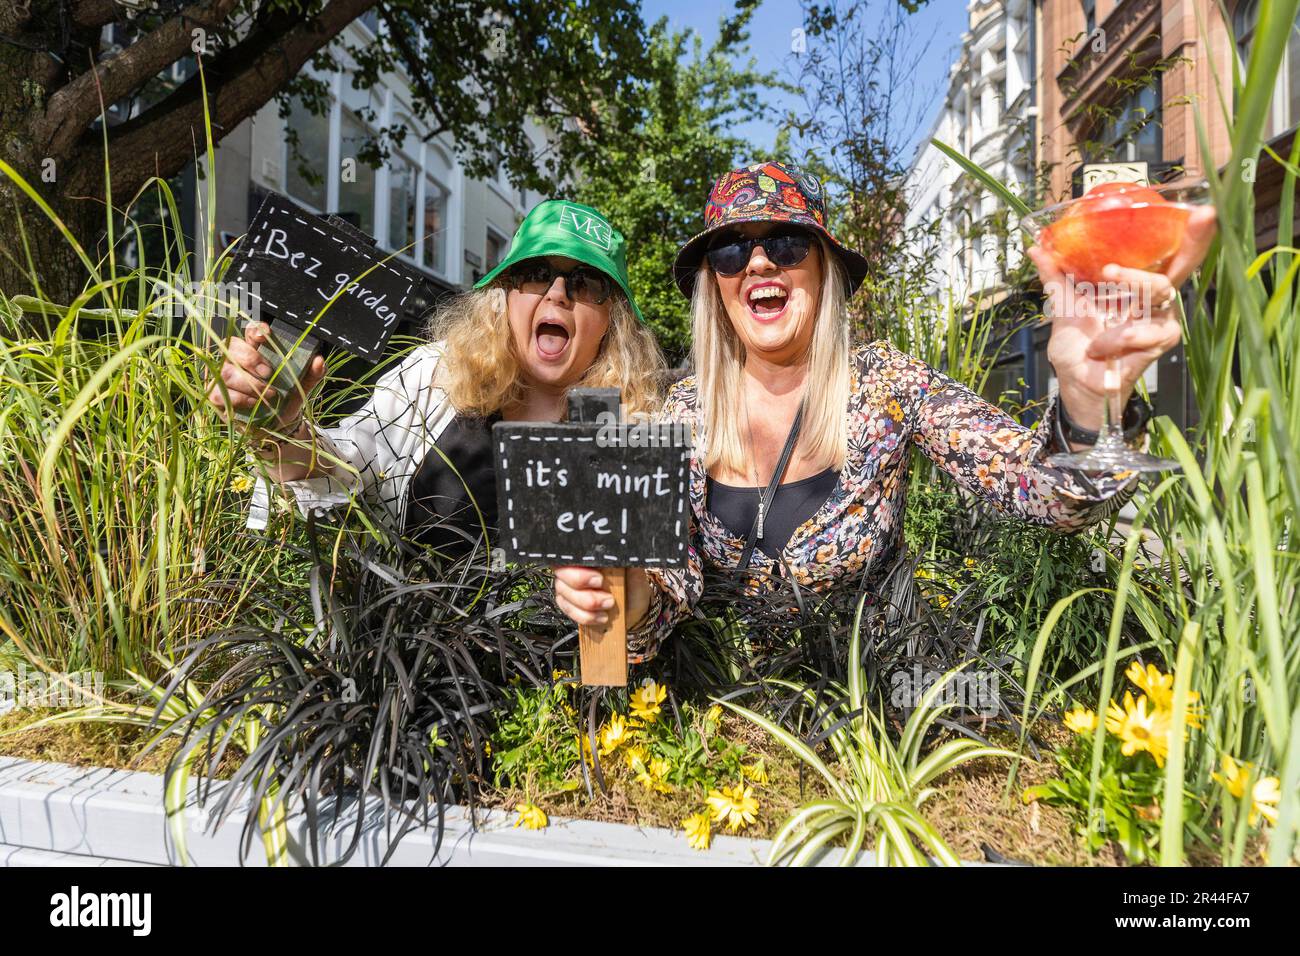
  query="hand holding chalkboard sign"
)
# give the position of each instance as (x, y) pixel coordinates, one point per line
(246, 375)
(318, 280)
(600, 500)
(583, 595)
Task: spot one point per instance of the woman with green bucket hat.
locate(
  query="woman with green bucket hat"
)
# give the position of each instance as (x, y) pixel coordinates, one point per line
(556, 313)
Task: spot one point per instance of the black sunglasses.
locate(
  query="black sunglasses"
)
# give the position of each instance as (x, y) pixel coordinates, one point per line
(582, 283)
(730, 253)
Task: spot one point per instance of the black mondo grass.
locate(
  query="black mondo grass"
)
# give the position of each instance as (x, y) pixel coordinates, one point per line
(377, 684)
(387, 699)
(741, 644)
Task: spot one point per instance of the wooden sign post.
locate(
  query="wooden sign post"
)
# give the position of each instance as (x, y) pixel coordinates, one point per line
(602, 648)
(595, 492)
(314, 280)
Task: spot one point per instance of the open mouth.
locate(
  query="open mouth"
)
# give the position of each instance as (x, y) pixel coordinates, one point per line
(767, 302)
(552, 339)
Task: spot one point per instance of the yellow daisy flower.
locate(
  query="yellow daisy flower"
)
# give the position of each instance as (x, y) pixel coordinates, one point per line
(735, 806)
(646, 700)
(241, 484)
(636, 757)
(1081, 720)
(1233, 777)
(757, 772)
(697, 830)
(614, 734)
(531, 816)
(1264, 795)
(1138, 728)
(713, 715)
(1159, 688)
(1264, 798)
(652, 777)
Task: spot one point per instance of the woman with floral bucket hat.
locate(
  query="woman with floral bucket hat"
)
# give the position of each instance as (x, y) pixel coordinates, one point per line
(556, 313)
(800, 466)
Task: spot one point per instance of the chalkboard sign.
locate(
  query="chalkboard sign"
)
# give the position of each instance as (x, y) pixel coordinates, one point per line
(600, 495)
(301, 261)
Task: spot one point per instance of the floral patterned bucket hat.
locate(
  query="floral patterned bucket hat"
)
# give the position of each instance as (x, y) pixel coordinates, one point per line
(764, 192)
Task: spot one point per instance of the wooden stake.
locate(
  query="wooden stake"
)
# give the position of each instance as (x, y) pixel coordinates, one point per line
(602, 648)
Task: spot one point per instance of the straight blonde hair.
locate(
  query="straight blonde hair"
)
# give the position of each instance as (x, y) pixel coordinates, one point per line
(718, 355)
(481, 373)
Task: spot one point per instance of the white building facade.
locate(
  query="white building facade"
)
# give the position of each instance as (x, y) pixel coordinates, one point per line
(419, 204)
(988, 114)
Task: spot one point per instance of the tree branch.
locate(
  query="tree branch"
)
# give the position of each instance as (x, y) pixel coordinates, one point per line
(159, 141)
(70, 110)
(415, 69)
(88, 14)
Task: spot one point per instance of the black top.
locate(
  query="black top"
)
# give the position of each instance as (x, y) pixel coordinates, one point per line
(440, 503)
(792, 504)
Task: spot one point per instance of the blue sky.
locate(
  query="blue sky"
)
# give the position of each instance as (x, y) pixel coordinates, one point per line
(942, 21)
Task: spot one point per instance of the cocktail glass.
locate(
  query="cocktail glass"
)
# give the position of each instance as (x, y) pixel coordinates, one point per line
(1138, 227)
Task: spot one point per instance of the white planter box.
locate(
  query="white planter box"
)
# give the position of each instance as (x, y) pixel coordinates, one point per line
(54, 814)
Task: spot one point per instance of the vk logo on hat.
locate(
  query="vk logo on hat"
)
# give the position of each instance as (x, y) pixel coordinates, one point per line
(585, 226)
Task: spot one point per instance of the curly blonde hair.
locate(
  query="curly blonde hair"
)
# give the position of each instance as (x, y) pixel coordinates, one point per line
(481, 371)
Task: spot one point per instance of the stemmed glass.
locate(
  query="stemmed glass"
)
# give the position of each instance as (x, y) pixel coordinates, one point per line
(1137, 227)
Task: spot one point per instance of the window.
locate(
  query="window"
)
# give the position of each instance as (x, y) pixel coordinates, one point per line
(407, 204)
(435, 225)
(501, 180)
(356, 179)
(1131, 132)
(991, 107)
(495, 250)
(402, 180)
(304, 168)
(1285, 111)
(1089, 16)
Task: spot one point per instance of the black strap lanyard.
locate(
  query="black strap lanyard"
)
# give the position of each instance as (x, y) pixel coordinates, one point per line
(765, 501)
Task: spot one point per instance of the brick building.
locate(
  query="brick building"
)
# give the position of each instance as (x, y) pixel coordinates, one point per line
(1120, 80)
(1123, 80)
(1088, 81)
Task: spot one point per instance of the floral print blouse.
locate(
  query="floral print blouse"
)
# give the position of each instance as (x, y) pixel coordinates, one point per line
(895, 401)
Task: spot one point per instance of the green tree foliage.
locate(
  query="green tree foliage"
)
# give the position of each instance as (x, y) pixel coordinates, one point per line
(858, 109)
(478, 69)
(652, 181)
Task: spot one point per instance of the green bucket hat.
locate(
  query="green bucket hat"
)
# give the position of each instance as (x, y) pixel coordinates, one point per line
(557, 227)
